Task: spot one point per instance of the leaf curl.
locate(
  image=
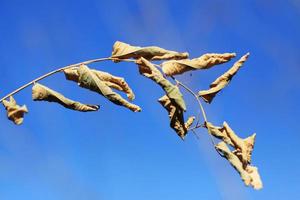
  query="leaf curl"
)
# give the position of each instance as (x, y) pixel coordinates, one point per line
(176, 116)
(222, 81)
(148, 70)
(89, 80)
(15, 113)
(43, 93)
(243, 147)
(249, 174)
(206, 61)
(189, 122)
(108, 79)
(122, 50)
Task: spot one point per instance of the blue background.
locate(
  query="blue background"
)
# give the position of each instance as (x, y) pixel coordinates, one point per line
(115, 154)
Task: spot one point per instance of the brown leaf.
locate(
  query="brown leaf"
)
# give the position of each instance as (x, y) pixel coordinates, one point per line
(243, 147)
(122, 50)
(175, 115)
(222, 81)
(148, 70)
(206, 61)
(110, 80)
(218, 132)
(15, 112)
(249, 174)
(89, 80)
(43, 93)
(255, 177)
(189, 122)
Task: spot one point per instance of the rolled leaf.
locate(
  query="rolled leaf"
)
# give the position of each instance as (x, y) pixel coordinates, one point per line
(148, 70)
(110, 80)
(175, 115)
(222, 81)
(249, 174)
(43, 93)
(189, 122)
(15, 112)
(206, 61)
(89, 80)
(122, 50)
(218, 132)
(243, 147)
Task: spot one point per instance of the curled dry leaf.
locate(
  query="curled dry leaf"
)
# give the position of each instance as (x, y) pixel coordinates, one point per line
(222, 81)
(108, 79)
(218, 132)
(43, 93)
(175, 115)
(122, 50)
(243, 147)
(15, 112)
(89, 80)
(189, 122)
(206, 61)
(249, 174)
(148, 70)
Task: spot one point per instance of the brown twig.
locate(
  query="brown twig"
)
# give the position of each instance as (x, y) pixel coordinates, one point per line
(60, 70)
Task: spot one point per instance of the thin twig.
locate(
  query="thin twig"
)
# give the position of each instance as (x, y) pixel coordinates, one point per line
(197, 126)
(196, 135)
(195, 95)
(53, 72)
(59, 70)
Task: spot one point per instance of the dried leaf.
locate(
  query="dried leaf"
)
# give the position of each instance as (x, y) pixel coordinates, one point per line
(222, 81)
(218, 132)
(150, 71)
(110, 80)
(189, 122)
(175, 115)
(122, 50)
(243, 147)
(15, 112)
(89, 80)
(256, 180)
(206, 61)
(43, 93)
(249, 174)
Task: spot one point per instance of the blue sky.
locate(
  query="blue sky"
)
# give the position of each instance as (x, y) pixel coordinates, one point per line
(116, 154)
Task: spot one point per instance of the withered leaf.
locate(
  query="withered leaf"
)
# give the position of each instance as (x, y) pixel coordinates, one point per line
(218, 132)
(222, 81)
(108, 79)
(122, 50)
(189, 122)
(243, 147)
(175, 115)
(43, 93)
(150, 71)
(249, 174)
(15, 112)
(89, 80)
(206, 61)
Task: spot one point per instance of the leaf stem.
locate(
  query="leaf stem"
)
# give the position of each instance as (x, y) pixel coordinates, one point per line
(53, 72)
(195, 95)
